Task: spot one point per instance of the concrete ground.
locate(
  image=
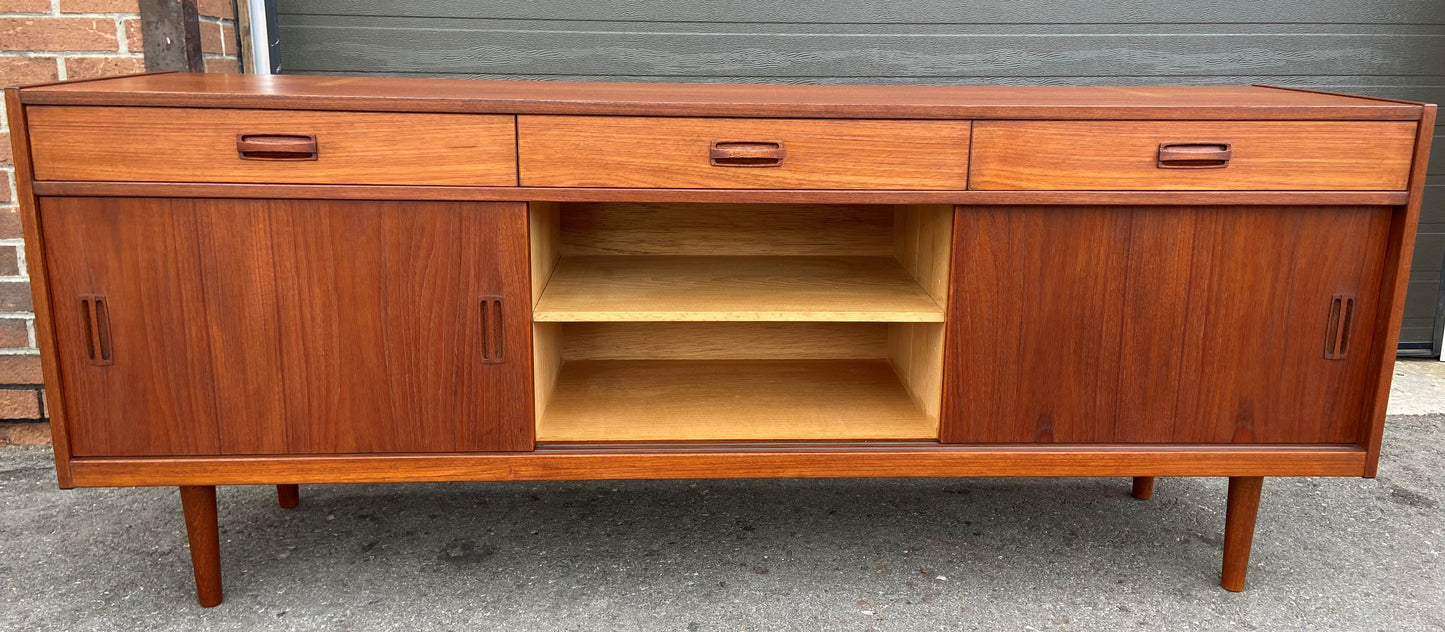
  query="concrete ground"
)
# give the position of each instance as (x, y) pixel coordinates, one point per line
(976, 554)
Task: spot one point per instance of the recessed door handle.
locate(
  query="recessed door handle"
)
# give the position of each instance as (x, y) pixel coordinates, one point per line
(1337, 326)
(277, 146)
(1194, 155)
(492, 338)
(95, 320)
(743, 153)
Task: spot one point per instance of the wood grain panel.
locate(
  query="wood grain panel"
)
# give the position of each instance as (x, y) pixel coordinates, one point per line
(674, 152)
(1155, 308)
(547, 363)
(1171, 324)
(235, 255)
(269, 327)
(731, 400)
(725, 341)
(544, 233)
(922, 242)
(1035, 324)
(722, 288)
(382, 326)
(1254, 346)
(1122, 155)
(156, 398)
(725, 229)
(544, 226)
(915, 351)
(199, 145)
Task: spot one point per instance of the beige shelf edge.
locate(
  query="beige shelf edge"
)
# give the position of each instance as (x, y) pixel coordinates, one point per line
(731, 400)
(733, 288)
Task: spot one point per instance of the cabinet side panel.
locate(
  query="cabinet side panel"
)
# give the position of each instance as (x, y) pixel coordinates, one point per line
(1393, 286)
(39, 285)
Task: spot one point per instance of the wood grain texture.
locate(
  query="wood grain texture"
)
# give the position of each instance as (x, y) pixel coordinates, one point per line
(916, 352)
(923, 243)
(142, 256)
(406, 279)
(726, 341)
(547, 365)
(1159, 325)
(199, 145)
(1239, 519)
(684, 461)
(646, 152)
(276, 327)
(1394, 286)
(731, 400)
(396, 94)
(722, 288)
(1095, 155)
(730, 196)
(544, 227)
(35, 248)
(198, 503)
(726, 229)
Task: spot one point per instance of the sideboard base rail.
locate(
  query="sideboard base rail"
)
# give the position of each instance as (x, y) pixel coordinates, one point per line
(684, 463)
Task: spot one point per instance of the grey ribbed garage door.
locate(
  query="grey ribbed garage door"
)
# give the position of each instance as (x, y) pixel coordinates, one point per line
(1391, 48)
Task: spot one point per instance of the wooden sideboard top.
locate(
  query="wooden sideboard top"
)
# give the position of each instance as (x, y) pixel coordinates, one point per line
(730, 100)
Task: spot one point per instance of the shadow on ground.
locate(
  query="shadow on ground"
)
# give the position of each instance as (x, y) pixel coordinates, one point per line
(924, 554)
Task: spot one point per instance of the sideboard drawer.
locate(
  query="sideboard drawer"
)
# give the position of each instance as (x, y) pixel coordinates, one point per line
(1192, 155)
(271, 146)
(708, 153)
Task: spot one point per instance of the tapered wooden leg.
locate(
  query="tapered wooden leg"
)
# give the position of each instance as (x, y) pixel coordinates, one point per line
(199, 504)
(1143, 487)
(288, 495)
(1239, 529)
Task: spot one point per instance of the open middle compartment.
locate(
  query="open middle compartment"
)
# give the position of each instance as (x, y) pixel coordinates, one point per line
(738, 322)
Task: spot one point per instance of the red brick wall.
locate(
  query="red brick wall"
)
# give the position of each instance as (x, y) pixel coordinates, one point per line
(50, 40)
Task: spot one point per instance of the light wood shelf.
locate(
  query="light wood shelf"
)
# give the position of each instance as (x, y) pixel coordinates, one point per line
(733, 288)
(731, 400)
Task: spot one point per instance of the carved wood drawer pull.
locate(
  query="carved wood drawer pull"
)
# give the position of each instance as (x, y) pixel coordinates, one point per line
(1194, 155)
(731, 153)
(276, 146)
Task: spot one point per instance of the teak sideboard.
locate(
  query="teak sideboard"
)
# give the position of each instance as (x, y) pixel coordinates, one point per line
(287, 280)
